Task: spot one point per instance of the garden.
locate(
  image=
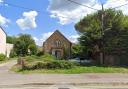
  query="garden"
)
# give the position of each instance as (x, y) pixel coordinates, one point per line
(4, 59)
(48, 64)
(113, 45)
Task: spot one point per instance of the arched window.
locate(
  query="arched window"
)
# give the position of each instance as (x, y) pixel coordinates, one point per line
(58, 43)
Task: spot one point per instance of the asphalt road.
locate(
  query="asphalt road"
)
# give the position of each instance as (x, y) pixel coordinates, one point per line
(65, 87)
(11, 80)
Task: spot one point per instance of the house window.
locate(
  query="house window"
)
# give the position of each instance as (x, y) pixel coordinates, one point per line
(58, 43)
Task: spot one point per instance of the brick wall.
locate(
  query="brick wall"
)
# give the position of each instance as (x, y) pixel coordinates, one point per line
(50, 43)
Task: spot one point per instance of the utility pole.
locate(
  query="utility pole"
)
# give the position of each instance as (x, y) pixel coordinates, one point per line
(102, 37)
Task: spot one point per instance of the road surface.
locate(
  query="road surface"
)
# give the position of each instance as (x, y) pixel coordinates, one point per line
(11, 80)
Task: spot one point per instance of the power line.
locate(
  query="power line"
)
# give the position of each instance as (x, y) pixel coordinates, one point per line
(64, 17)
(14, 5)
(26, 8)
(94, 8)
(120, 6)
(81, 4)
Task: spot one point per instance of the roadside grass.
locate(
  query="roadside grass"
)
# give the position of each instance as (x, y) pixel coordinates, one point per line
(3, 61)
(47, 64)
(76, 70)
(7, 59)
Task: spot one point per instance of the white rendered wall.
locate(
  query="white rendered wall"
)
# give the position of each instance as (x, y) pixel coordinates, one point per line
(2, 42)
(9, 47)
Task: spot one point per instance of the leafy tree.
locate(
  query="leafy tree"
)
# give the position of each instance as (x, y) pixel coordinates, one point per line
(2, 57)
(23, 43)
(12, 54)
(77, 50)
(20, 48)
(33, 49)
(115, 31)
(11, 39)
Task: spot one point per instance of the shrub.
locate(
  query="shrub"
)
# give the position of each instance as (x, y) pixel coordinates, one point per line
(40, 53)
(46, 62)
(56, 64)
(47, 58)
(34, 58)
(60, 64)
(31, 58)
(2, 57)
(33, 49)
(13, 54)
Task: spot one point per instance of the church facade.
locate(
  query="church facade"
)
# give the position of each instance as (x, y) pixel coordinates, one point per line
(58, 45)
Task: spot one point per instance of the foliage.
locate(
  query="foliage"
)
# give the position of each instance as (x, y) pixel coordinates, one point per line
(115, 31)
(46, 62)
(40, 53)
(33, 49)
(55, 64)
(19, 48)
(77, 50)
(75, 70)
(23, 43)
(2, 57)
(11, 39)
(34, 58)
(12, 54)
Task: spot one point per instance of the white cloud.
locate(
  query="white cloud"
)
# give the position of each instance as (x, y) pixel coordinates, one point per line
(1, 1)
(74, 38)
(4, 21)
(115, 3)
(71, 11)
(74, 12)
(39, 41)
(28, 21)
(44, 36)
(6, 4)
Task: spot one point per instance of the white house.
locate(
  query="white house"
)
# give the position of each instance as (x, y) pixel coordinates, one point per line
(9, 47)
(4, 47)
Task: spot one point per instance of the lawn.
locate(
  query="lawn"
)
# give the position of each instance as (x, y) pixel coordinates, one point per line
(7, 59)
(49, 65)
(76, 70)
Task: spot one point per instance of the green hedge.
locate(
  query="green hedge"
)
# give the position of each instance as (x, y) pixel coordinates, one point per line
(2, 57)
(34, 58)
(46, 62)
(56, 64)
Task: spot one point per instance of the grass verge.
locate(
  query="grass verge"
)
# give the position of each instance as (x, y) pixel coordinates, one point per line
(7, 59)
(76, 70)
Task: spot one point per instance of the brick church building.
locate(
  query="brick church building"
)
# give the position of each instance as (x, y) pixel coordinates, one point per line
(58, 45)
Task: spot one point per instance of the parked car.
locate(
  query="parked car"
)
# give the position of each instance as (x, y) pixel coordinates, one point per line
(82, 60)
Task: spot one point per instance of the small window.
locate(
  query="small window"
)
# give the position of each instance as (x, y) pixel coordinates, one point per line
(58, 43)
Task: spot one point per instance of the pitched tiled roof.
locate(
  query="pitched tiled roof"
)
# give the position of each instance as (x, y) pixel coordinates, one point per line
(3, 30)
(57, 31)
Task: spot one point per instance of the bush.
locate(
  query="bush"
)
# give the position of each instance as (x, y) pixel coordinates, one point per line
(46, 62)
(13, 54)
(47, 58)
(56, 64)
(2, 57)
(34, 58)
(33, 49)
(40, 53)
(59, 65)
(31, 58)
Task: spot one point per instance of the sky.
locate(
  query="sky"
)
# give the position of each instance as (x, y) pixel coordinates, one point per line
(40, 18)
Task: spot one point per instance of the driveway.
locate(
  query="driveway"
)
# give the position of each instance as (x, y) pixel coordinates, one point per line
(10, 80)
